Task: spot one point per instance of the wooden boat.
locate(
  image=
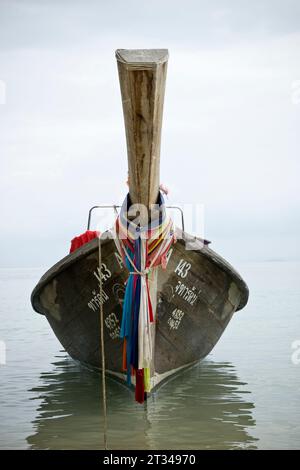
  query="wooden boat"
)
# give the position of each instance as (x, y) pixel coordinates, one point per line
(195, 296)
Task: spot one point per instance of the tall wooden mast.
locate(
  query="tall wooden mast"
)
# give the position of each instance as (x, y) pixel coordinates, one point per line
(142, 75)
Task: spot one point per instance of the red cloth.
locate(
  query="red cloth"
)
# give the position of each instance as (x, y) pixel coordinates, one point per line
(86, 237)
(139, 385)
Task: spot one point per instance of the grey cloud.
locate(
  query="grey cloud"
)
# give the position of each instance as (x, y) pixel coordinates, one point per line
(230, 131)
(73, 23)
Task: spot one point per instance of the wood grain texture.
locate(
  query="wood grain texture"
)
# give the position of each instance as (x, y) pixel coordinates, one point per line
(142, 75)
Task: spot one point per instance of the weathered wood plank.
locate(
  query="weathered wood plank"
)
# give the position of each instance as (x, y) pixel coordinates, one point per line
(142, 75)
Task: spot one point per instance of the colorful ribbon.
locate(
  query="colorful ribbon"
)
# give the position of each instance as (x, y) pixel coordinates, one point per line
(143, 248)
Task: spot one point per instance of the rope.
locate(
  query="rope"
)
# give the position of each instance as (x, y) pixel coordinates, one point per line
(102, 351)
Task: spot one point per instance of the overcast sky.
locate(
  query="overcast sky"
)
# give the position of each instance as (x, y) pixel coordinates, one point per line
(231, 120)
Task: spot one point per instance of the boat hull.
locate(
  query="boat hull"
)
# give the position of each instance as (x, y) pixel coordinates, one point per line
(196, 296)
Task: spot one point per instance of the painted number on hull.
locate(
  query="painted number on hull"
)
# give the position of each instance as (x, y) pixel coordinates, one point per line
(105, 273)
(175, 319)
(113, 325)
(183, 268)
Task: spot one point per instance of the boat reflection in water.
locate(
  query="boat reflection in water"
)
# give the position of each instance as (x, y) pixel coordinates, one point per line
(204, 407)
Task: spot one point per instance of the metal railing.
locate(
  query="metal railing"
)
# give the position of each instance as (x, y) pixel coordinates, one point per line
(115, 207)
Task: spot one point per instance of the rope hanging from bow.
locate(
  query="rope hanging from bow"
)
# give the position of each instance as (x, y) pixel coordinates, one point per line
(143, 248)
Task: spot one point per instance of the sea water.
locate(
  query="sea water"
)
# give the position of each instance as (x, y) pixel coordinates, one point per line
(245, 394)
